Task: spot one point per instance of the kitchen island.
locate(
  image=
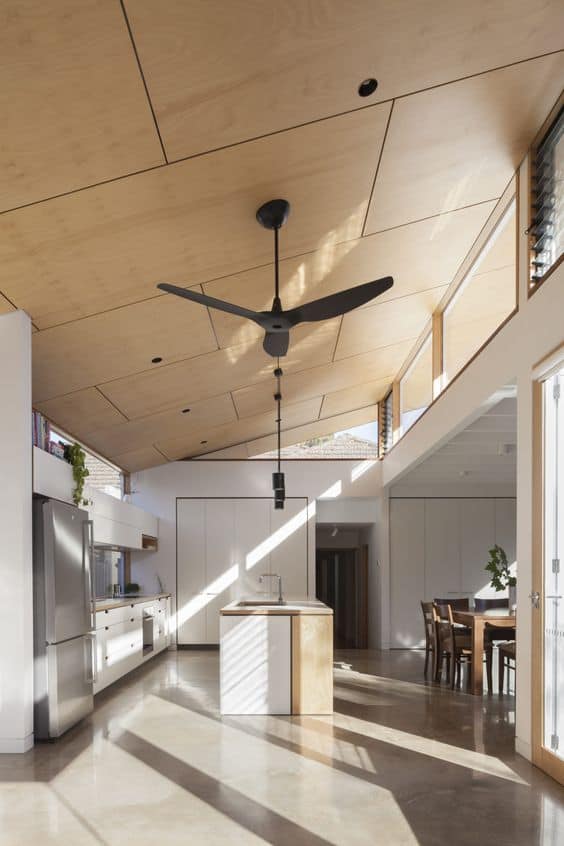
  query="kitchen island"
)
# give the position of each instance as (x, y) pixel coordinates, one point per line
(276, 658)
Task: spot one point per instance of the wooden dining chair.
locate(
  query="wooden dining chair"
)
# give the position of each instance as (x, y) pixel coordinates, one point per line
(430, 637)
(493, 634)
(453, 645)
(462, 603)
(507, 657)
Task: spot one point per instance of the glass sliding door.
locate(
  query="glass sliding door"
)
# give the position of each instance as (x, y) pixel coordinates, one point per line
(553, 576)
(547, 596)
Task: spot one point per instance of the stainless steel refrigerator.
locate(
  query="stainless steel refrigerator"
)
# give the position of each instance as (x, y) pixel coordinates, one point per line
(64, 617)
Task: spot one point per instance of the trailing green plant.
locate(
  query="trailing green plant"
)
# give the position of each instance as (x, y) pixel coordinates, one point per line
(76, 457)
(498, 566)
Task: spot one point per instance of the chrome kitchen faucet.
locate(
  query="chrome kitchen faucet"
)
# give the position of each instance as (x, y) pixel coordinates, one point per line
(274, 576)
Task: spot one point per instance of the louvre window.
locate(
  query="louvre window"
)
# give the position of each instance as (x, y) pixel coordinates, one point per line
(386, 424)
(547, 225)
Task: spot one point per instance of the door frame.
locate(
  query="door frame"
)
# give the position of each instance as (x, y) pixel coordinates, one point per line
(542, 757)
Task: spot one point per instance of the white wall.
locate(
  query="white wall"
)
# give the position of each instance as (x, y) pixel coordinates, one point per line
(345, 487)
(531, 335)
(16, 620)
(344, 539)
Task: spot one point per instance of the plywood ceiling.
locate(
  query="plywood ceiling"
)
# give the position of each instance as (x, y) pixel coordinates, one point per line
(138, 141)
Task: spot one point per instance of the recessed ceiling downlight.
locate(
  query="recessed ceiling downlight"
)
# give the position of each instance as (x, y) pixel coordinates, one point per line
(203, 442)
(185, 410)
(367, 87)
(156, 360)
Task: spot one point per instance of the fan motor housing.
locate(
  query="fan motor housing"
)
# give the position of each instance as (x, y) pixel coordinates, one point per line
(274, 214)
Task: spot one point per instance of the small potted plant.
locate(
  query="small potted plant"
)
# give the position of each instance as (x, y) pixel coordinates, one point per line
(501, 577)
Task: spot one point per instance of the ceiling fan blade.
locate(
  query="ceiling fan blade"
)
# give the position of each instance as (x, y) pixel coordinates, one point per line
(276, 343)
(211, 302)
(339, 303)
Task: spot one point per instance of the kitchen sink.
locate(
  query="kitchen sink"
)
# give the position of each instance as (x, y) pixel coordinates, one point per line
(248, 603)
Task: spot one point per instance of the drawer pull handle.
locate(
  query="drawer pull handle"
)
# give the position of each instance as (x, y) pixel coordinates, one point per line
(107, 628)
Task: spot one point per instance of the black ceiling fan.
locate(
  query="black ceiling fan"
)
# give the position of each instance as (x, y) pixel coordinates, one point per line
(277, 322)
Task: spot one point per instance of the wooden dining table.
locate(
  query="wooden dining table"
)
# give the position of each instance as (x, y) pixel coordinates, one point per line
(476, 621)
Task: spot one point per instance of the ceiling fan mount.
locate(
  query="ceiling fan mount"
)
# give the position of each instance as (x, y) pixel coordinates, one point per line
(274, 214)
(278, 321)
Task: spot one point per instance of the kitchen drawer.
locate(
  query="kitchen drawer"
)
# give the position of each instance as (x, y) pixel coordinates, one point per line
(122, 649)
(121, 614)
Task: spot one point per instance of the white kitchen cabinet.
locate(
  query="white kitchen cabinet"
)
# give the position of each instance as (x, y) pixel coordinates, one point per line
(439, 548)
(288, 539)
(223, 546)
(407, 573)
(119, 650)
(442, 548)
(52, 476)
(252, 548)
(119, 638)
(477, 536)
(505, 522)
(250, 645)
(191, 563)
(220, 548)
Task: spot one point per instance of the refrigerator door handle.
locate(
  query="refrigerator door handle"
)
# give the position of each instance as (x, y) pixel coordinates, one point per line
(92, 677)
(89, 581)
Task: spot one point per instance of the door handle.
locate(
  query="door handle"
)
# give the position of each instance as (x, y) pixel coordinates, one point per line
(93, 678)
(535, 599)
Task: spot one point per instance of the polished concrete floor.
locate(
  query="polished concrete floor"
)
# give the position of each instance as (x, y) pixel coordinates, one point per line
(399, 762)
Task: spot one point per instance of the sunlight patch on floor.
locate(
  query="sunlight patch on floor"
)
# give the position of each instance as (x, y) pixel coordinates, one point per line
(445, 752)
(330, 804)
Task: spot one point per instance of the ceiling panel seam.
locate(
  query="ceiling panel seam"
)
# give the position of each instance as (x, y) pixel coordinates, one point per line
(275, 132)
(381, 153)
(149, 101)
(252, 268)
(100, 385)
(268, 434)
(101, 392)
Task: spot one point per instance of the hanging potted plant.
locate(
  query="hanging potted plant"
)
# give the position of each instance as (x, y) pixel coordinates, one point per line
(501, 578)
(76, 457)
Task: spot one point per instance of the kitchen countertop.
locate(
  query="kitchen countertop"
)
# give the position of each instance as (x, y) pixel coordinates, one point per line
(292, 607)
(121, 601)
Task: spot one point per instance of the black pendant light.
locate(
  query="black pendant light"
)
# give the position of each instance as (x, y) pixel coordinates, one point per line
(278, 485)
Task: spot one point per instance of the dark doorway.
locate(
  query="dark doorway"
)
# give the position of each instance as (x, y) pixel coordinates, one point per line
(342, 583)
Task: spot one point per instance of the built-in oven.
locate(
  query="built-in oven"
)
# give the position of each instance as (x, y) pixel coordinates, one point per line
(148, 630)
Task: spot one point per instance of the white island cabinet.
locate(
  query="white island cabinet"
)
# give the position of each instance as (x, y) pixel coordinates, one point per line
(276, 658)
(251, 646)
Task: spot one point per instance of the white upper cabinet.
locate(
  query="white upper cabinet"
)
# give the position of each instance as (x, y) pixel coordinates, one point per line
(442, 548)
(223, 547)
(476, 539)
(407, 576)
(191, 546)
(220, 547)
(505, 522)
(116, 523)
(191, 563)
(252, 543)
(439, 549)
(289, 549)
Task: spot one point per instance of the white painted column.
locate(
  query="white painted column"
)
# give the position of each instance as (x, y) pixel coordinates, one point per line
(16, 619)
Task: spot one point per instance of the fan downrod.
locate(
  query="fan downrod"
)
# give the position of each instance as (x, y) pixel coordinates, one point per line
(274, 214)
